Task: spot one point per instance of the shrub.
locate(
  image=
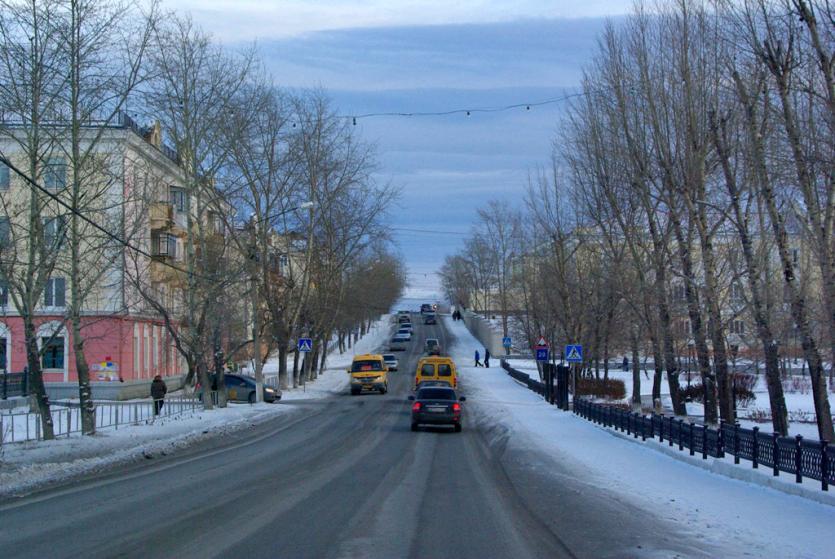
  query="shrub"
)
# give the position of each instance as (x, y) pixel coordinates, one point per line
(744, 390)
(612, 389)
(794, 384)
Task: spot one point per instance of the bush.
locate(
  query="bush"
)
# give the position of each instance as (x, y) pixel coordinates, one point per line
(745, 384)
(612, 389)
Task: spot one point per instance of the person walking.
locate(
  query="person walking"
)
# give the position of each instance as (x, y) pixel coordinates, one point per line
(625, 364)
(486, 357)
(158, 392)
(477, 359)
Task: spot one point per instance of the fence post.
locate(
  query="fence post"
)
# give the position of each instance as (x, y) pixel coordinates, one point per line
(643, 429)
(116, 410)
(798, 459)
(692, 440)
(736, 443)
(69, 420)
(5, 384)
(680, 434)
(824, 467)
(704, 442)
(670, 431)
(756, 447)
(661, 429)
(775, 454)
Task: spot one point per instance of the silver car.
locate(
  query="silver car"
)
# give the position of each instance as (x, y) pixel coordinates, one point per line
(390, 361)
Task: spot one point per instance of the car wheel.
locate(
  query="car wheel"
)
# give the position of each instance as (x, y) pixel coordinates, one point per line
(458, 427)
(383, 390)
(414, 426)
(251, 398)
(354, 392)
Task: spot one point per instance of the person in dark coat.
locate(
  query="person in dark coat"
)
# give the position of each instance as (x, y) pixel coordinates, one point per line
(477, 359)
(158, 391)
(625, 363)
(486, 357)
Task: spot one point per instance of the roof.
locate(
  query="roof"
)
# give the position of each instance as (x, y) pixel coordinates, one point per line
(368, 356)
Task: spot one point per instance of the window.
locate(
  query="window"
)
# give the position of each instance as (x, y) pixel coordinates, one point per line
(165, 245)
(54, 294)
(4, 294)
(427, 370)
(5, 232)
(444, 370)
(679, 293)
(53, 352)
(55, 173)
(156, 348)
(136, 349)
(3, 354)
(5, 181)
(146, 355)
(436, 394)
(738, 327)
(737, 293)
(53, 231)
(178, 198)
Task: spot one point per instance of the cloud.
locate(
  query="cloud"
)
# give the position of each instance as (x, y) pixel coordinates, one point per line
(237, 20)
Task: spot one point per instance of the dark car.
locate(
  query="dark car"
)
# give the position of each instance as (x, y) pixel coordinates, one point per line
(242, 389)
(436, 405)
(430, 318)
(425, 308)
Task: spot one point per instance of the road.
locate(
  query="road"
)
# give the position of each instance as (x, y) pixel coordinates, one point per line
(345, 477)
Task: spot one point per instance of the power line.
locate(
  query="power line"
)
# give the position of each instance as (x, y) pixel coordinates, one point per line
(526, 105)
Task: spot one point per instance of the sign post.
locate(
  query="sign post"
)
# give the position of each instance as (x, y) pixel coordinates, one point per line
(574, 355)
(541, 349)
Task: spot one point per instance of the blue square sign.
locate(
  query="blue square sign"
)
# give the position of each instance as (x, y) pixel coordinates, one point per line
(305, 345)
(574, 353)
(542, 354)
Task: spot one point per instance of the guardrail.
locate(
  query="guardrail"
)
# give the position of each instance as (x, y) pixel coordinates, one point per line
(793, 455)
(66, 417)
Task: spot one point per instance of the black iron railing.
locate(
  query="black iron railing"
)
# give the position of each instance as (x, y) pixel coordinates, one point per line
(792, 455)
(13, 384)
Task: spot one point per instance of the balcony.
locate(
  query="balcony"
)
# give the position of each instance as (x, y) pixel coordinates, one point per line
(162, 215)
(163, 274)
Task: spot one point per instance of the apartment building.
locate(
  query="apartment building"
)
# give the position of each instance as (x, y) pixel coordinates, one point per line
(141, 185)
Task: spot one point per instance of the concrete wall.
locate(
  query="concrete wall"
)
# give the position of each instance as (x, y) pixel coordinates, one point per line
(112, 390)
(489, 336)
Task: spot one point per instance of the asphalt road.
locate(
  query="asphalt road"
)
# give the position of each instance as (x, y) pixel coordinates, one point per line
(344, 478)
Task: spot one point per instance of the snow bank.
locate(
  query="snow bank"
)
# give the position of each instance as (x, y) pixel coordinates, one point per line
(740, 517)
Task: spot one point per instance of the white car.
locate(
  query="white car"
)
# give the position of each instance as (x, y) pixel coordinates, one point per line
(406, 332)
(390, 361)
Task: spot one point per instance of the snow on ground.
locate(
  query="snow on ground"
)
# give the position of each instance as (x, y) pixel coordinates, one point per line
(799, 403)
(739, 517)
(25, 466)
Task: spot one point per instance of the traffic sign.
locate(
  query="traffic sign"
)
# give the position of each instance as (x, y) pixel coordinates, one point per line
(305, 345)
(506, 341)
(542, 354)
(542, 342)
(574, 353)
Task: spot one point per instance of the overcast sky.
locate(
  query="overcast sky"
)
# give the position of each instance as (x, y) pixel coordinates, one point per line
(432, 55)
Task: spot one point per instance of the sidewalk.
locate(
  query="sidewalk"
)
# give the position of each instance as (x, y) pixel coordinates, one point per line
(741, 518)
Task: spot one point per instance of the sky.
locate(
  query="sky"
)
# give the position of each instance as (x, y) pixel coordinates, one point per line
(375, 56)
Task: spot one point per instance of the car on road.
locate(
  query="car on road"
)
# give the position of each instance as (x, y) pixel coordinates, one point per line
(368, 372)
(430, 318)
(406, 326)
(436, 368)
(404, 318)
(391, 361)
(405, 332)
(399, 342)
(437, 405)
(240, 388)
(425, 308)
(432, 346)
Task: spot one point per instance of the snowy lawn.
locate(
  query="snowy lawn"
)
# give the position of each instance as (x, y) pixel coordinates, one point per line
(25, 466)
(742, 518)
(797, 392)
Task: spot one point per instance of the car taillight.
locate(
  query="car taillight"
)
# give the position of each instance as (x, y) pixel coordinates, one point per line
(456, 407)
(416, 380)
(416, 406)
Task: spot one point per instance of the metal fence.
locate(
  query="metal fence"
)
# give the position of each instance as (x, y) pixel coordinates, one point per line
(13, 384)
(793, 455)
(66, 417)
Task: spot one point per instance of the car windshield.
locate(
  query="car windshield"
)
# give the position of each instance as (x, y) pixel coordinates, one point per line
(366, 365)
(431, 342)
(436, 394)
(427, 370)
(444, 370)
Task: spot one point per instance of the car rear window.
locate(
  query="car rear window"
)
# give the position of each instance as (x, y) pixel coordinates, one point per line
(427, 370)
(389, 357)
(444, 370)
(366, 365)
(436, 394)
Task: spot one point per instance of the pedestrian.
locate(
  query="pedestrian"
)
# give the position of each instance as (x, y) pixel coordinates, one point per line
(477, 359)
(625, 364)
(158, 391)
(486, 357)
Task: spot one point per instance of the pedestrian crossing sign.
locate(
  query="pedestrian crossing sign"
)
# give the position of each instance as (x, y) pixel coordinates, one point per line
(305, 345)
(574, 353)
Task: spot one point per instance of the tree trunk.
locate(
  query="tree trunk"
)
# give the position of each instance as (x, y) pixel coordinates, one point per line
(33, 356)
(636, 373)
(282, 366)
(206, 382)
(296, 373)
